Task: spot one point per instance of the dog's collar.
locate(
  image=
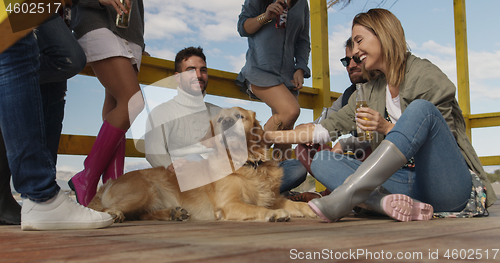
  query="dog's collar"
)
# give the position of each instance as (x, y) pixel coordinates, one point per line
(254, 164)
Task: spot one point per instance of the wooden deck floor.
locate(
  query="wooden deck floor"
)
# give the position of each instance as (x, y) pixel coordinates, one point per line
(153, 241)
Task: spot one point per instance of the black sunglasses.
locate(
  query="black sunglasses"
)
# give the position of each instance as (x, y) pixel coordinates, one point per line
(347, 60)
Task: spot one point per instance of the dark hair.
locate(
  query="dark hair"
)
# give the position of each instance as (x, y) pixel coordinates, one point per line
(349, 44)
(265, 3)
(187, 53)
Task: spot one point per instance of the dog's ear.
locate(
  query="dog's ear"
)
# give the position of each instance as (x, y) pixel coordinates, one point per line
(205, 141)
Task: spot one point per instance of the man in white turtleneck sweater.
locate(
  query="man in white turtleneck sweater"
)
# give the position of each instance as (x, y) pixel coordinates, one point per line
(176, 126)
(179, 124)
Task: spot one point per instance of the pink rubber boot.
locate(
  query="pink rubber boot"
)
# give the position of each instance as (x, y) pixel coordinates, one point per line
(85, 182)
(116, 165)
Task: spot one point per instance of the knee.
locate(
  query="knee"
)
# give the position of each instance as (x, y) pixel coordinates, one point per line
(75, 61)
(136, 104)
(319, 160)
(421, 105)
(289, 116)
(294, 170)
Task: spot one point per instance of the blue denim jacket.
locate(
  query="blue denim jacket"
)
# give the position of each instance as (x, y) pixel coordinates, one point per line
(275, 54)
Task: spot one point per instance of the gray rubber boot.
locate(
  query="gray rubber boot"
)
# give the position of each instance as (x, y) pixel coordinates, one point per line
(373, 172)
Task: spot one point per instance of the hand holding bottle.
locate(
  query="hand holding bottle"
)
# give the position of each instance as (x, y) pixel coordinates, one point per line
(370, 120)
(274, 9)
(117, 4)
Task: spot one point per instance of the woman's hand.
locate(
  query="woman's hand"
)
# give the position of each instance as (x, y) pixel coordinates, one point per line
(274, 9)
(116, 4)
(298, 79)
(370, 120)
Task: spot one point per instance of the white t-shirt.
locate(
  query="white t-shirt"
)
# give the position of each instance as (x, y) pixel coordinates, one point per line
(393, 106)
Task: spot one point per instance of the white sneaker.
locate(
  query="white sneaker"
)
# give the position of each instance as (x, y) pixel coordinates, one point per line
(59, 213)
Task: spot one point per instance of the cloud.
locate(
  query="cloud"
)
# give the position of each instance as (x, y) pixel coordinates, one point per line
(211, 20)
(236, 102)
(337, 38)
(483, 67)
(237, 62)
(166, 53)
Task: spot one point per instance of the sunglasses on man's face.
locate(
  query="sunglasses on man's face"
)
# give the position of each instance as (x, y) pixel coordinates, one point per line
(347, 60)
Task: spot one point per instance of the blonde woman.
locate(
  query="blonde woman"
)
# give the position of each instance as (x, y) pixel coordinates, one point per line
(413, 113)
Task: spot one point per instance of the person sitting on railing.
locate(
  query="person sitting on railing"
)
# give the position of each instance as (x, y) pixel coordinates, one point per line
(425, 123)
(276, 60)
(115, 54)
(175, 128)
(45, 206)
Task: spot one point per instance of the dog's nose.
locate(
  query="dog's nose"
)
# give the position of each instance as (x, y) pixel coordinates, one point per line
(227, 123)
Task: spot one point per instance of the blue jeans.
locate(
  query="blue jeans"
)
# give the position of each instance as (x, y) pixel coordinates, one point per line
(294, 173)
(61, 57)
(441, 176)
(22, 122)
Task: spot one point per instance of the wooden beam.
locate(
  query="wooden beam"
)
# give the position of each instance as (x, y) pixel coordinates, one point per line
(462, 62)
(320, 57)
(485, 120)
(490, 160)
(221, 82)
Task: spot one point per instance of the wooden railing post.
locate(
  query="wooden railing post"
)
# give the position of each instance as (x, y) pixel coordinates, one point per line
(462, 62)
(320, 60)
(319, 54)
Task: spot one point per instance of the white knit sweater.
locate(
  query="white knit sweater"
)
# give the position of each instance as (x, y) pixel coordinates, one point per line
(174, 128)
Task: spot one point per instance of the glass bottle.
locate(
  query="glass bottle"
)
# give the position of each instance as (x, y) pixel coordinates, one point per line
(123, 19)
(361, 102)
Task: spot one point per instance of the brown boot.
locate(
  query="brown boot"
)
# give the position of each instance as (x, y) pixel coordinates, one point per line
(304, 197)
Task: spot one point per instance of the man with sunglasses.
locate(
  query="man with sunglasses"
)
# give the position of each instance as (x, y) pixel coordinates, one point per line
(353, 66)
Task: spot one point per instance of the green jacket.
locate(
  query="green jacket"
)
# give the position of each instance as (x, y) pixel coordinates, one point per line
(423, 80)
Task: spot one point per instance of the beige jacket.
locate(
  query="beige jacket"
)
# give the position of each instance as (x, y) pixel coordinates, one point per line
(423, 80)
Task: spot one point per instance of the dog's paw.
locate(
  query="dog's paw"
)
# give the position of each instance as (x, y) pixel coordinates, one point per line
(117, 216)
(306, 211)
(179, 214)
(280, 215)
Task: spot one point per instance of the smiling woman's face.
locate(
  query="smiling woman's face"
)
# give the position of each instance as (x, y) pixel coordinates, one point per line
(368, 47)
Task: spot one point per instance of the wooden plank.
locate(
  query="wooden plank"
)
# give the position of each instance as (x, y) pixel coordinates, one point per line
(490, 160)
(82, 144)
(207, 241)
(221, 83)
(485, 120)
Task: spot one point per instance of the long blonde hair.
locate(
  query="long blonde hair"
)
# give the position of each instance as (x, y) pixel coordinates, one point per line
(391, 35)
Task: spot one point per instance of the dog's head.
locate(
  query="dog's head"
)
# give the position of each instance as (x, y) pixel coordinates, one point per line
(237, 134)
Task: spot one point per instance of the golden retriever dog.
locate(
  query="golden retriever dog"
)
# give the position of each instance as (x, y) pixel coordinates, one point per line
(249, 193)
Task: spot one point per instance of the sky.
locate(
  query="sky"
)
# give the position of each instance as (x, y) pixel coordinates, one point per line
(172, 25)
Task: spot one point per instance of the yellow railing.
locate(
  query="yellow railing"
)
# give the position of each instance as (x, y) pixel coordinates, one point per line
(315, 98)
